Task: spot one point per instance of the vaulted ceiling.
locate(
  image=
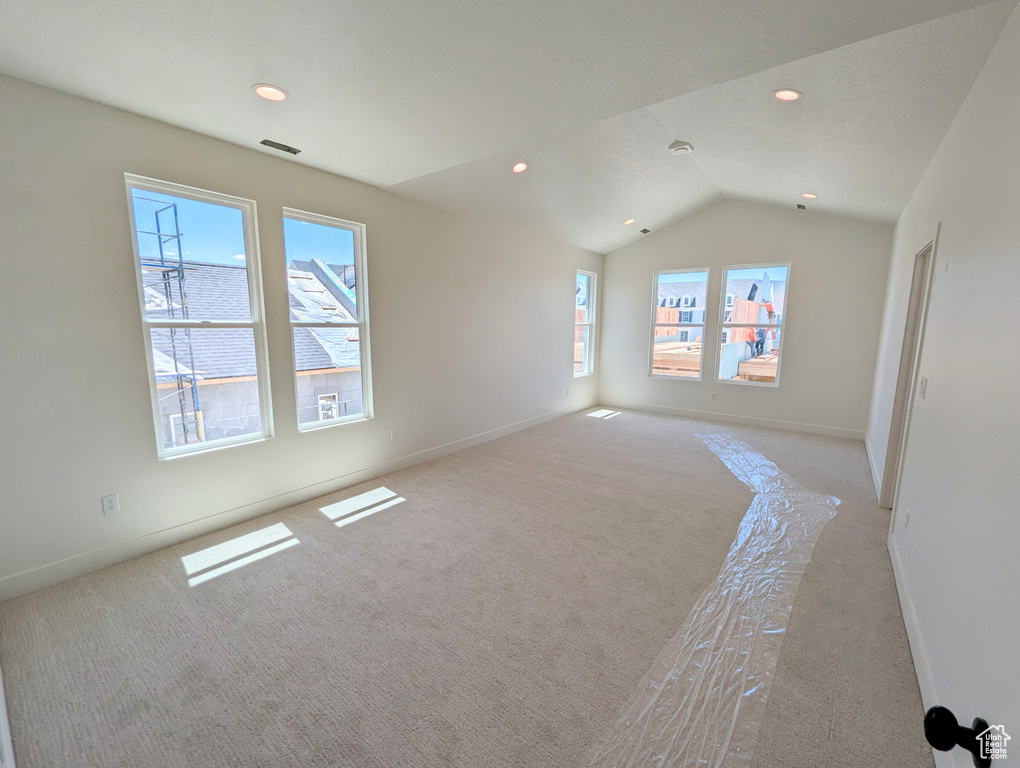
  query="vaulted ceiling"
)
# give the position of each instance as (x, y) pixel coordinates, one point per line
(437, 100)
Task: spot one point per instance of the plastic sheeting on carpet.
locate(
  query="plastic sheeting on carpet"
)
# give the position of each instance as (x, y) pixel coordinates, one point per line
(703, 701)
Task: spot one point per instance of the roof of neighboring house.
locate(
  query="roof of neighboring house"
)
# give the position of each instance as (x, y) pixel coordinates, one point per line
(741, 288)
(220, 292)
(696, 290)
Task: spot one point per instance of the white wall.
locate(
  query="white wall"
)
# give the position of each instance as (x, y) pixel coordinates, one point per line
(471, 327)
(958, 570)
(833, 314)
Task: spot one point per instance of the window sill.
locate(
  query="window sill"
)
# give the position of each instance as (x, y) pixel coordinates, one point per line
(319, 425)
(771, 385)
(673, 378)
(171, 454)
(582, 375)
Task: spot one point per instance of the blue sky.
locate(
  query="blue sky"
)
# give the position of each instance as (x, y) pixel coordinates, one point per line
(215, 233)
(305, 241)
(209, 233)
(684, 277)
(775, 273)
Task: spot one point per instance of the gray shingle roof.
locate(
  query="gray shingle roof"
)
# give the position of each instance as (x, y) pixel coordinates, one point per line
(696, 290)
(220, 292)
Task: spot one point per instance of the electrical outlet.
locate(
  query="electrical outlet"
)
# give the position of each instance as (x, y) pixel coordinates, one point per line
(111, 504)
(712, 396)
(394, 434)
(568, 391)
(906, 520)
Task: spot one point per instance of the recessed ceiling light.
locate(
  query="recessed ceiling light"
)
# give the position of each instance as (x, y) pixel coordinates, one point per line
(520, 168)
(787, 94)
(808, 195)
(270, 92)
(628, 222)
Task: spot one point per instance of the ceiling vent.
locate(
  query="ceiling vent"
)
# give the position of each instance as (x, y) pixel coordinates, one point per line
(801, 207)
(279, 146)
(681, 148)
(645, 231)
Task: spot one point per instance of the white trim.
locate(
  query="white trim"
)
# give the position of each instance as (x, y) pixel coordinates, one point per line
(655, 306)
(918, 652)
(361, 295)
(915, 367)
(58, 571)
(876, 478)
(589, 345)
(732, 418)
(257, 324)
(721, 325)
(6, 746)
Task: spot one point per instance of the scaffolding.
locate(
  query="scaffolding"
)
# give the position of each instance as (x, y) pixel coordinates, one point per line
(167, 231)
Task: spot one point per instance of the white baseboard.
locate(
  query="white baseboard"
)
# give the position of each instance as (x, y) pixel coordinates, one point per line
(6, 747)
(78, 565)
(876, 476)
(925, 680)
(749, 421)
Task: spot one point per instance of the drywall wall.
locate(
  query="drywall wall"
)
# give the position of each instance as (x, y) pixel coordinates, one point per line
(956, 562)
(833, 316)
(471, 328)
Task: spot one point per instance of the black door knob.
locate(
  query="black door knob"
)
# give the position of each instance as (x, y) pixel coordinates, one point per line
(943, 732)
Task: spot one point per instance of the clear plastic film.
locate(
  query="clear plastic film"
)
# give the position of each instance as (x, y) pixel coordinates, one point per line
(703, 701)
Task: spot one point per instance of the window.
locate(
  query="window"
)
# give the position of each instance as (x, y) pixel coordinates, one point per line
(197, 265)
(584, 323)
(729, 299)
(676, 343)
(751, 332)
(329, 318)
(328, 406)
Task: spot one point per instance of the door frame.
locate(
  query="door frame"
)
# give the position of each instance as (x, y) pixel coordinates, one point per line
(921, 285)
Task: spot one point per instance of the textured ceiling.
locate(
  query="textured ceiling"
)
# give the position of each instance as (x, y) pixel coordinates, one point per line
(437, 99)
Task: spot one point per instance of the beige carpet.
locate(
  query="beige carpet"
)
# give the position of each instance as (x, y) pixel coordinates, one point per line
(501, 616)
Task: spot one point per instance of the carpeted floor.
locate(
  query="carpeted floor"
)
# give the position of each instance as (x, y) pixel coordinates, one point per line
(501, 615)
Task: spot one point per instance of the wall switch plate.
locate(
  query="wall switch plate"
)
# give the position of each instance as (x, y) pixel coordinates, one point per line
(111, 504)
(394, 434)
(906, 520)
(712, 396)
(924, 387)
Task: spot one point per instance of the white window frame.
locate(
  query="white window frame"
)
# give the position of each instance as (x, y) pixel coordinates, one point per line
(249, 219)
(589, 345)
(361, 294)
(653, 324)
(688, 301)
(726, 326)
(318, 402)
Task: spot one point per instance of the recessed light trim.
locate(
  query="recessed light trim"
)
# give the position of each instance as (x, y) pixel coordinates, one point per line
(787, 94)
(808, 195)
(520, 168)
(270, 92)
(628, 222)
